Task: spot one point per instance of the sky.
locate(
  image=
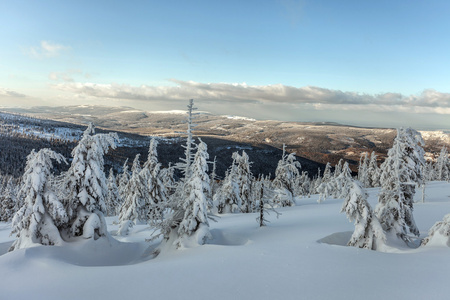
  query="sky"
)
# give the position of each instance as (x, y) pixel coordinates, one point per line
(367, 63)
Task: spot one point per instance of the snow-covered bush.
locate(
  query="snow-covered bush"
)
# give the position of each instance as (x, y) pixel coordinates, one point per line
(439, 234)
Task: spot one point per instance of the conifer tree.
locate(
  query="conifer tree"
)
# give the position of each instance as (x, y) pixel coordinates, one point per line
(401, 171)
(168, 180)
(363, 174)
(442, 166)
(373, 172)
(303, 185)
(368, 232)
(113, 201)
(338, 168)
(316, 182)
(325, 188)
(286, 175)
(39, 220)
(85, 185)
(214, 186)
(152, 158)
(124, 178)
(343, 182)
(244, 178)
(8, 200)
(189, 148)
(157, 193)
(264, 200)
(135, 207)
(195, 204)
(228, 199)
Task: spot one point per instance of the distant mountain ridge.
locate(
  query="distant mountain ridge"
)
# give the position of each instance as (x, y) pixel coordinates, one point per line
(321, 142)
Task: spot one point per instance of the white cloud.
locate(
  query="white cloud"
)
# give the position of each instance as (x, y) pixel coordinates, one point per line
(47, 49)
(320, 98)
(10, 94)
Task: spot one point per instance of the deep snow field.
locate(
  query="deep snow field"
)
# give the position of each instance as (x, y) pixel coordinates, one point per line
(284, 260)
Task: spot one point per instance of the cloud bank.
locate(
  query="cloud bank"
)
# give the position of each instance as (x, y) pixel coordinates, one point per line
(6, 93)
(320, 98)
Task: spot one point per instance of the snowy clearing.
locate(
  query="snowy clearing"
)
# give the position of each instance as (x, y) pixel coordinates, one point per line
(281, 261)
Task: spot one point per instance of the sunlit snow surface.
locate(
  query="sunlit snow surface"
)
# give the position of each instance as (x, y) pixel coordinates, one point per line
(281, 261)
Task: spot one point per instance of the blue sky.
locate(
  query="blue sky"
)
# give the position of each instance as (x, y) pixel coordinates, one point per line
(388, 61)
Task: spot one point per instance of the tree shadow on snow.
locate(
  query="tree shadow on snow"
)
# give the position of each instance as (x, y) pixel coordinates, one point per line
(337, 238)
(222, 238)
(4, 247)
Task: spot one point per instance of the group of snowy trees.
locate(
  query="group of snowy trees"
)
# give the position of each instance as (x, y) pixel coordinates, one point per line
(53, 210)
(9, 188)
(58, 210)
(399, 175)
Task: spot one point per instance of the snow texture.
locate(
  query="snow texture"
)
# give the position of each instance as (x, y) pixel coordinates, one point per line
(287, 249)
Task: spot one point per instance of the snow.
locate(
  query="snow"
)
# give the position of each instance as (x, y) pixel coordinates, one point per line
(239, 118)
(172, 112)
(437, 134)
(301, 255)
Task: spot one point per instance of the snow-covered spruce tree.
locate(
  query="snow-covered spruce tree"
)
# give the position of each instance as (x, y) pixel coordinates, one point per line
(157, 193)
(214, 186)
(439, 234)
(338, 168)
(244, 178)
(85, 187)
(152, 158)
(442, 166)
(123, 179)
(158, 196)
(228, 199)
(189, 148)
(286, 175)
(428, 171)
(8, 200)
(315, 183)
(400, 172)
(39, 220)
(264, 197)
(168, 180)
(194, 227)
(302, 185)
(135, 207)
(373, 172)
(325, 188)
(368, 232)
(113, 200)
(363, 174)
(343, 182)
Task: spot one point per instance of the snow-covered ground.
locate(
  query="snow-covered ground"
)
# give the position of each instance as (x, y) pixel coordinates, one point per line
(281, 261)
